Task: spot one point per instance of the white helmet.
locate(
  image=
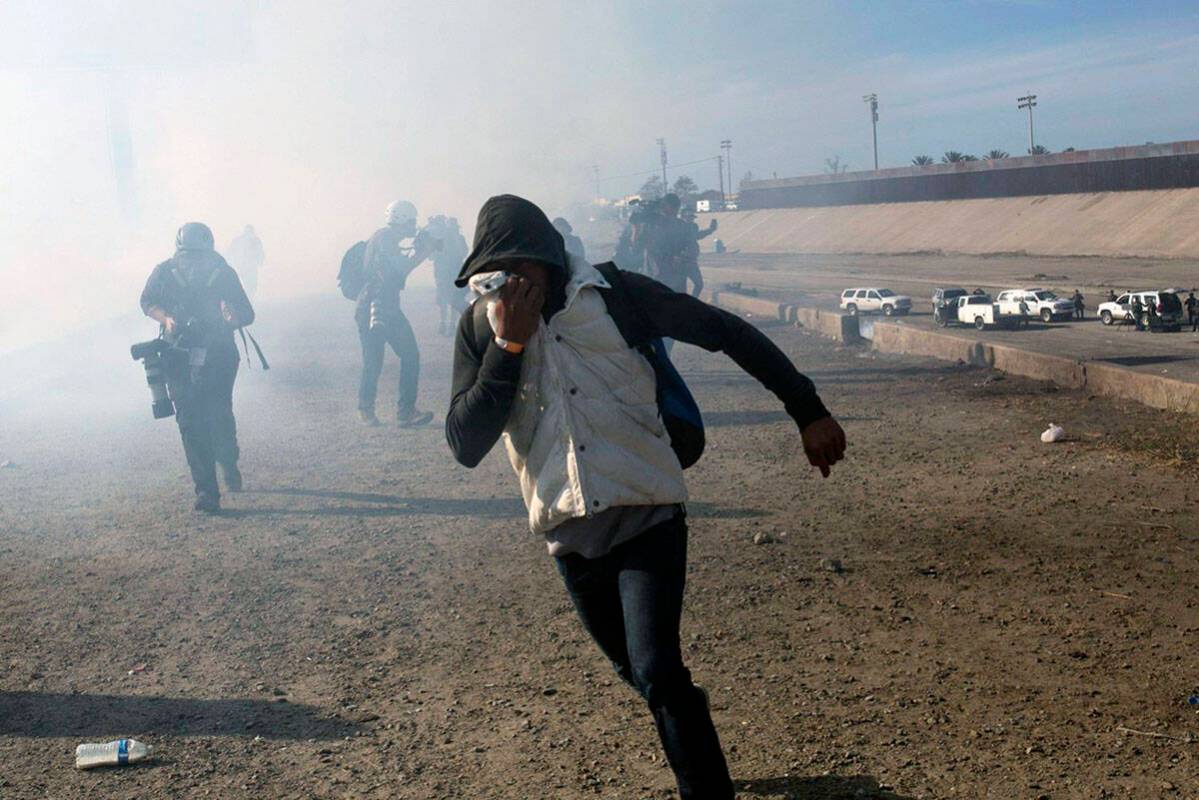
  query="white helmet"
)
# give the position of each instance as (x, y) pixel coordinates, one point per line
(401, 211)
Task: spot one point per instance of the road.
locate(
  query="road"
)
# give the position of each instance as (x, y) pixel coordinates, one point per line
(818, 280)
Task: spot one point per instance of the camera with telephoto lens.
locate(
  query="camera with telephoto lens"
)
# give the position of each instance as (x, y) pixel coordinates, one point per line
(163, 357)
(153, 355)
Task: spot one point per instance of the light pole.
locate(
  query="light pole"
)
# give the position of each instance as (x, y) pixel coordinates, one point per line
(726, 146)
(595, 168)
(1029, 101)
(872, 100)
(720, 170)
(662, 153)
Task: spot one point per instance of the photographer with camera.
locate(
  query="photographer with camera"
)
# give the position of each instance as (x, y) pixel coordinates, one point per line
(381, 322)
(199, 301)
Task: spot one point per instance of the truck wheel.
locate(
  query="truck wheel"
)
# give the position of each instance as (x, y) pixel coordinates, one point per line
(1046, 315)
(1106, 317)
(980, 323)
(888, 311)
(852, 308)
(942, 321)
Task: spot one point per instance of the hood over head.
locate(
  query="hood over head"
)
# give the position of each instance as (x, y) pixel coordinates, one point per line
(511, 228)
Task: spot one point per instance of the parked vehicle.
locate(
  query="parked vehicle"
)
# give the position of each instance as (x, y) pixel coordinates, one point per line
(945, 300)
(978, 310)
(1039, 302)
(1165, 302)
(863, 301)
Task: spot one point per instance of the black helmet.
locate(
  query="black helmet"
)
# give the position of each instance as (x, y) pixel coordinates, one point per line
(194, 236)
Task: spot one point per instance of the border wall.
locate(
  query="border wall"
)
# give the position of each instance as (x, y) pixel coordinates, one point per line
(1173, 165)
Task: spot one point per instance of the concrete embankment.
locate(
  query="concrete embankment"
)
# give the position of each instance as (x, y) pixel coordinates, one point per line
(1153, 224)
(889, 336)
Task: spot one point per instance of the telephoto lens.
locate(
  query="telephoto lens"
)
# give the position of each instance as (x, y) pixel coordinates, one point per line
(151, 355)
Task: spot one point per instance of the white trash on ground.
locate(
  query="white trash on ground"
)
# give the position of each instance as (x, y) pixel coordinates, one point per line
(120, 752)
(1054, 433)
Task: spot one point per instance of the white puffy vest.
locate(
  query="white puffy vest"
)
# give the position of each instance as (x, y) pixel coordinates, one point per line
(584, 434)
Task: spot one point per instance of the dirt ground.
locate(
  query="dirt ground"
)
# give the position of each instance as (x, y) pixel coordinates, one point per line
(370, 620)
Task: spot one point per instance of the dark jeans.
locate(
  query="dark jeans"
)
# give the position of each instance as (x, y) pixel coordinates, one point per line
(204, 411)
(630, 601)
(395, 332)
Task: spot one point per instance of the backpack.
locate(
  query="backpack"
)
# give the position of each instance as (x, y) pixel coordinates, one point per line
(677, 407)
(351, 278)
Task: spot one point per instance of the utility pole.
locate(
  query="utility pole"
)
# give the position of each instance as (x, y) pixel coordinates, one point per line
(662, 153)
(1029, 101)
(726, 145)
(720, 169)
(872, 100)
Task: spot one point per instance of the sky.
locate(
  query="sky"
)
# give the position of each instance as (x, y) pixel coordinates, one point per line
(119, 121)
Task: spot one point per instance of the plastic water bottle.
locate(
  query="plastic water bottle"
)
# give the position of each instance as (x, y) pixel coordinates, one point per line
(118, 753)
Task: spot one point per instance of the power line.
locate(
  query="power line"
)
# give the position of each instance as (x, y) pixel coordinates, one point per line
(656, 171)
(1029, 101)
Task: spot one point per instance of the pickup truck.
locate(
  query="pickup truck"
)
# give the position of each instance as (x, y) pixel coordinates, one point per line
(1040, 303)
(978, 310)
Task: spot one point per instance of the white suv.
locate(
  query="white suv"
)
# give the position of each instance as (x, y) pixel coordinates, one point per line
(1166, 303)
(1039, 302)
(861, 301)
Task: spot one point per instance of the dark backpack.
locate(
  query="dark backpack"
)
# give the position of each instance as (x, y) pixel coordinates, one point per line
(677, 407)
(351, 278)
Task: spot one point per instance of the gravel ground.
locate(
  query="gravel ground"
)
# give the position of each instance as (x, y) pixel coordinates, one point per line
(960, 611)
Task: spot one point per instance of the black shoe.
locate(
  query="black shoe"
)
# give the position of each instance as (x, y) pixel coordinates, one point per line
(232, 478)
(208, 503)
(368, 419)
(413, 418)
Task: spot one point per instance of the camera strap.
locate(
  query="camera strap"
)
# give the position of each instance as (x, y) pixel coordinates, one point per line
(257, 349)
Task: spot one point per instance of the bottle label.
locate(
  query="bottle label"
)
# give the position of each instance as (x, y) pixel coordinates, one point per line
(123, 751)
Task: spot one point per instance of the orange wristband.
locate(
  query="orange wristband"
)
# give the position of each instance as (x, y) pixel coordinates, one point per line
(509, 347)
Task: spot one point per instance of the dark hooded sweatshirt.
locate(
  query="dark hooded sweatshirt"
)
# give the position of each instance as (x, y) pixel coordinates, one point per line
(486, 378)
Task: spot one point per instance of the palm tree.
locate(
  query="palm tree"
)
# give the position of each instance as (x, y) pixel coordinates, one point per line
(995, 155)
(923, 161)
(969, 157)
(952, 157)
(1040, 150)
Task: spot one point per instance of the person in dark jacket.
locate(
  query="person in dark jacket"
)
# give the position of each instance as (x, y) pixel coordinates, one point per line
(541, 363)
(380, 320)
(199, 302)
(688, 216)
(671, 249)
(1192, 306)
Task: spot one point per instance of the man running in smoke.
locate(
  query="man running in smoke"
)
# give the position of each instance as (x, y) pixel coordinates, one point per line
(446, 263)
(381, 322)
(543, 365)
(199, 301)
